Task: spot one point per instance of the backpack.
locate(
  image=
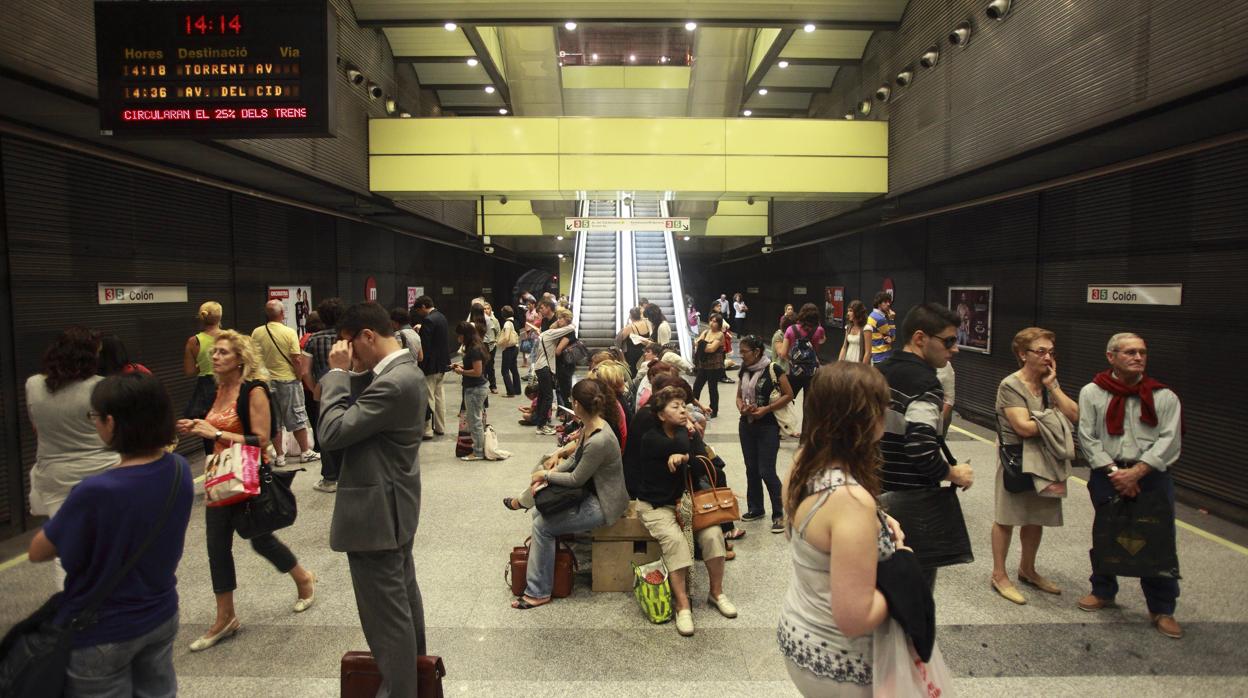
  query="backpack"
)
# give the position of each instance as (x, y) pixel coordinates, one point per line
(803, 361)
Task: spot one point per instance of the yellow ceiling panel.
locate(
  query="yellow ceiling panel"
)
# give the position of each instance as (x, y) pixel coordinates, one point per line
(826, 43)
(641, 136)
(427, 41)
(807, 137)
(463, 173)
(763, 39)
(768, 175)
(641, 172)
(463, 136)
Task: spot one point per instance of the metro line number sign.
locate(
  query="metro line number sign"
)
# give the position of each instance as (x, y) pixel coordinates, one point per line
(215, 69)
(637, 225)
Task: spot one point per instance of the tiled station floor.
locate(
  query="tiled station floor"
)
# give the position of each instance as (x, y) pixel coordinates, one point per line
(598, 644)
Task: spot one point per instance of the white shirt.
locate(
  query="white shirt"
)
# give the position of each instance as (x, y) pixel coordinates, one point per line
(389, 358)
(1158, 446)
(739, 307)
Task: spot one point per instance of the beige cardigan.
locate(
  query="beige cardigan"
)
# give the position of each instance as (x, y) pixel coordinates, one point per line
(1047, 458)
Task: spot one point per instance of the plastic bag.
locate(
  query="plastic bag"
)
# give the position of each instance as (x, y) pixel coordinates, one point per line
(897, 671)
(1135, 537)
(653, 591)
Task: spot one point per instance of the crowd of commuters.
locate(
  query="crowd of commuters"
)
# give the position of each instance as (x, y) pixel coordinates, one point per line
(366, 386)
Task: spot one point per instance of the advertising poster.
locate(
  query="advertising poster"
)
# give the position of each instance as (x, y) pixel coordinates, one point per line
(973, 306)
(414, 292)
(298, 302)
(834, 306)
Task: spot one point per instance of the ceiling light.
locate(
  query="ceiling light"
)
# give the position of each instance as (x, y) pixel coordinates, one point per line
(391, 106)
(632, 58)
(961, 35)
(473, 61)
(686, 238)
(663, 59)
(762, 90)
(849, 116)
(355, 76)
(570, 26)
(374, 91)
(864, 108)
(594, 57)
(690, 26)
(747, 112)
(450, 26)
(883, 93)
(560, 256)
(904, 77)
(559, 238)
(998, 9)
(783, 64)
(808, 28)
(489, 89)
(930, 57)
(502, 111)
(405, 115)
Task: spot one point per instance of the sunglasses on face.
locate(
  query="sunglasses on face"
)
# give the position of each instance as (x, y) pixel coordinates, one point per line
(947, 341)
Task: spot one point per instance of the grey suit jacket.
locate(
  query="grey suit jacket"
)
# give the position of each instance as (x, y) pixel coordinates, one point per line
(377, 431)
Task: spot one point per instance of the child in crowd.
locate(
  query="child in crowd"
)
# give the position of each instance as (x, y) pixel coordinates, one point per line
(530, 391)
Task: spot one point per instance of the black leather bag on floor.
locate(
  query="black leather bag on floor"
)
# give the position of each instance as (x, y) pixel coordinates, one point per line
(273, 509)
(1135, 537)
(933, 524)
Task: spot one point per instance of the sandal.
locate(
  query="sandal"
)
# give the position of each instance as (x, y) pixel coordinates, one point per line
(735, 534)
(512, 504)
(523, 604)
(730, 555)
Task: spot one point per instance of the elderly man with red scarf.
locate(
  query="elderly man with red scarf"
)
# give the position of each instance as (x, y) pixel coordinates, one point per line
(1130, 430)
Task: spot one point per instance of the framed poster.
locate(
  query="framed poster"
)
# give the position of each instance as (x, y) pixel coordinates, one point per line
(298, 303)
(834, 306)
(973, 306)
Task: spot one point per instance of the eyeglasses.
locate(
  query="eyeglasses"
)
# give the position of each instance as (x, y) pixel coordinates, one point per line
(1043, 352)
(948, 341)
(1132, 352)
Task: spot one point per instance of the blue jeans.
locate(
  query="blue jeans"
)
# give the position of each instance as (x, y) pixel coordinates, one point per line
(511, 374)
(139, 667)
(760, 441)
(540, 577)
(1160, 593)
(474, 409)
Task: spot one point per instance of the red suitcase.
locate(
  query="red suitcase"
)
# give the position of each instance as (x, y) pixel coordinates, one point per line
(362, 679)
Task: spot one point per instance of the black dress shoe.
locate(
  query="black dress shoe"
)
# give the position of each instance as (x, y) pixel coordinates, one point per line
(753, 515)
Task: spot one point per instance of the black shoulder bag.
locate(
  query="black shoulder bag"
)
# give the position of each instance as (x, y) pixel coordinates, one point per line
(275, 507)
(1013, 478)
(34, 654)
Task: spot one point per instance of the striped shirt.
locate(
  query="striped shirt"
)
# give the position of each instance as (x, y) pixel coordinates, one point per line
(883, 332)
(911, 445)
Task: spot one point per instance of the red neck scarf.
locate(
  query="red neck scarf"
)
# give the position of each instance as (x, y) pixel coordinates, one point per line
(1118, 403)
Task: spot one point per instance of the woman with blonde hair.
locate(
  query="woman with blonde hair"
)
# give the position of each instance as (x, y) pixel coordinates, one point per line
(1022, 397)
(240, 412)
(837, 533)
(197, 362)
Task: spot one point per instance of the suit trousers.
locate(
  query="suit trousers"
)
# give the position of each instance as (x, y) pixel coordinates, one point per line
(433, 381)
(391, 614)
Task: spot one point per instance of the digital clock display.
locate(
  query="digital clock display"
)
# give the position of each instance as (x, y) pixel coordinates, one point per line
(244, 69)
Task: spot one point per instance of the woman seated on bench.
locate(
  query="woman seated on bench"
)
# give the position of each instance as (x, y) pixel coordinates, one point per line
(665, 454)
(596, 466)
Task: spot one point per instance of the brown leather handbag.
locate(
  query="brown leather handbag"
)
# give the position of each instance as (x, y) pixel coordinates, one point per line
(565, 565)
(712, 506)
(362, 679)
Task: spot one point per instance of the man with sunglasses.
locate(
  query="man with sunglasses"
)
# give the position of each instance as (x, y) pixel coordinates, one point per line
(1131, 432)
(911, 443)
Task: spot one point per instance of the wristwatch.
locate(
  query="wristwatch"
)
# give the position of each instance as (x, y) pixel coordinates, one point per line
(219, 435)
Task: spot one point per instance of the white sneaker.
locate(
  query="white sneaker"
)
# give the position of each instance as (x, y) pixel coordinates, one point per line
(724, 606)
(309, 456)
(280, 461)
(546, 430)
(328, 486)
(684, 622)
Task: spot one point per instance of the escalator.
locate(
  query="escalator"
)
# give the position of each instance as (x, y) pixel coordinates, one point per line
(658, 274)
(595, 304)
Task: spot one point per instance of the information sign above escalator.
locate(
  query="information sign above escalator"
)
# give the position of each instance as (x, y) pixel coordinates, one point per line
(215, 69)
(637, 225)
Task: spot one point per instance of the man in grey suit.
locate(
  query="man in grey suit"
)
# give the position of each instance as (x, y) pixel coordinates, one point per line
(375, 419)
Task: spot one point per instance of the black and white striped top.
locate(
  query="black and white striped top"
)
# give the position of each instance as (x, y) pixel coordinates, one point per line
(911, 445)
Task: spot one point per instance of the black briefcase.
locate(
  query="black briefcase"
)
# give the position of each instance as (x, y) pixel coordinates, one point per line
(933, 524)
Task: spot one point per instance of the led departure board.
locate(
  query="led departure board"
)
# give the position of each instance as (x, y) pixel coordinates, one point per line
(210, 69)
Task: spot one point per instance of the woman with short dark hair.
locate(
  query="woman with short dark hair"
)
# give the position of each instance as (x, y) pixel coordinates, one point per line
(511, 372)
(68, 448)
(759, 431)
(709, 361)
(115, 359)
(472, 370)
(103, 524)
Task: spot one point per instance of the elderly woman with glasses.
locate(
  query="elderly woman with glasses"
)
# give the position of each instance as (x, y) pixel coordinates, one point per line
(1028, 401)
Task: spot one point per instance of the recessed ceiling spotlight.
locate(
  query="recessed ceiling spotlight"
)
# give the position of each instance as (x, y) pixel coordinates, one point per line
(570, 26)
(560, 256)
(762, 90)
(594, 57)
(808, 28)
(473, 61)
(690, 26)
(686, 238)
(883, 92)
(961, 35)
(783, 64)
(405, 115)
(864, 108)
(489, 89)
(998, 9)
(904, 77)
(450, 26)
(502, 111)
(930, 57)
(560, 239)
(632, 58)
(849, 116)
(747, 112)
(391, 105)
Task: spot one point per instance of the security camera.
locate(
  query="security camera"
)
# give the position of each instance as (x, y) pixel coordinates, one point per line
(355, 76)
(930, 57)
(375, 91)
(767, 249)
(961, 36)
(883, 93)
(488, 249)
(904, 77)
(503, 199)
(749, 200)
(864, 108)
(997, 9)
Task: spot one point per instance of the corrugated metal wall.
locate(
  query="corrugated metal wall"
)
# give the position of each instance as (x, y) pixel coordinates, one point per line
(1182, 220)
(54, 42)
(71, 222)
(1048, 71)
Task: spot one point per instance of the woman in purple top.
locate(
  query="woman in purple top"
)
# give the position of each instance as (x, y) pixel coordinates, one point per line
(801, 344)
(128, 650)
